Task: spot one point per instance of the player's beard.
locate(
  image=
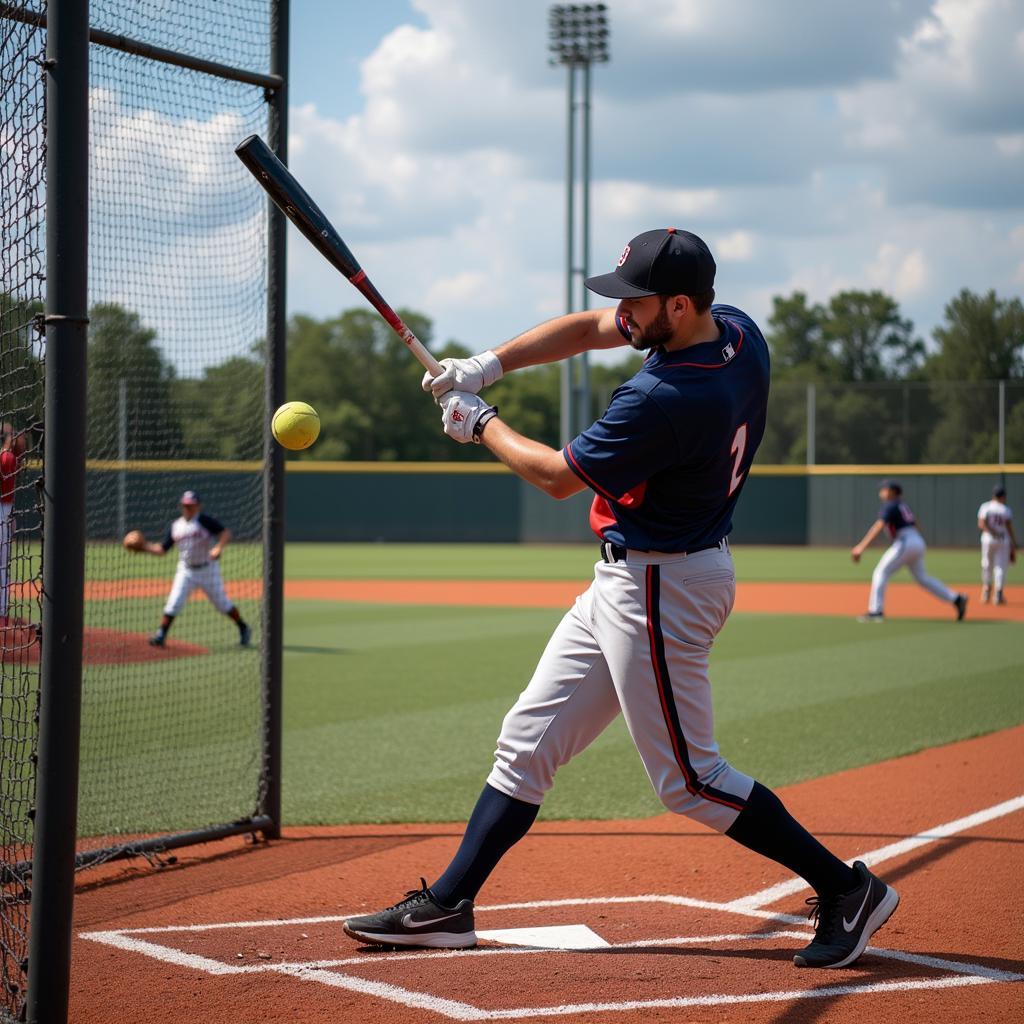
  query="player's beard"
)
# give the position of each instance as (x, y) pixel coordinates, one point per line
(657, 332)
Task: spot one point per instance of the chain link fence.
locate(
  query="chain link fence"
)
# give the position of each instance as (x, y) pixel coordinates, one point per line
(895, 422)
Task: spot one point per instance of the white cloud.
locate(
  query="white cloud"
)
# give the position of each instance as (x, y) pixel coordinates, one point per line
(736, 247)
(897, 271)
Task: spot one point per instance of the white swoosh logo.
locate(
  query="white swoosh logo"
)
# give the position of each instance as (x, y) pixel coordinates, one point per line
(410, 922)
(849, 926)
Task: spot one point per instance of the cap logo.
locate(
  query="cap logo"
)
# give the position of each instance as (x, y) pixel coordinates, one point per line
(622, 258)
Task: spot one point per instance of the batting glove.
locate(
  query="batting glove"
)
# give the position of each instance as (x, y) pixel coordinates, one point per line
(464, 374)
(463, 416)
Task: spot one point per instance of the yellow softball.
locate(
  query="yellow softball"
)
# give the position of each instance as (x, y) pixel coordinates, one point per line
(295, 425)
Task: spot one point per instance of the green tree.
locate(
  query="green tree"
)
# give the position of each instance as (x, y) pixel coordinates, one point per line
(128, 376)
(980, 342)
(867, 338)
(21, 367)
(222, 412)
(796, 333)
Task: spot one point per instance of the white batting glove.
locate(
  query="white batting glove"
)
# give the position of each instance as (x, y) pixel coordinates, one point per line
(463, 415)
(464, 374)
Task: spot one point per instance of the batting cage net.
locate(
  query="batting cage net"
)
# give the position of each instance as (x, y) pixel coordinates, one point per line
(22, 266)
(173, 717)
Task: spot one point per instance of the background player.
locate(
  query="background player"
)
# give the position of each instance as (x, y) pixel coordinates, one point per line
(998, 543)
(667, 462)
(12, 447)
(907, 548)
(201, 540)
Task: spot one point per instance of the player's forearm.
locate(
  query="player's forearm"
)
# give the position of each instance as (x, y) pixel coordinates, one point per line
(873, 531)
(534, 462)
(155, 549)
(560, 338)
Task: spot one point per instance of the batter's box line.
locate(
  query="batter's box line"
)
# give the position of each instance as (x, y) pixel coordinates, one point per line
(964, 974)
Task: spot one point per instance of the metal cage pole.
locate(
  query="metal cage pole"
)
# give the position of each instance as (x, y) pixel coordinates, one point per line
(567, 418)
(274, 478)
(583, 410)
(60, 703)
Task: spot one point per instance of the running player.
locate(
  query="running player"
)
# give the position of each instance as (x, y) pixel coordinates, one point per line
(907, 548)
(666, 462)
(998, 543)
(201, 540)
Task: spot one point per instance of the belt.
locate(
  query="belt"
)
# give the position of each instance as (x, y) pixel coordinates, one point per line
(617, 553)
(200, 565)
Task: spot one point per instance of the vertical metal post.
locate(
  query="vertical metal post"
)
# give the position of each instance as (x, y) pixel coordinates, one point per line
(567, 418)
(274, 477)
(122, 456)
(1002, 423)
(67, 226)
(811, 424)
(583, 410)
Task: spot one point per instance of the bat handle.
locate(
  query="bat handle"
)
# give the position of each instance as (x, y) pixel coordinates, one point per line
(417, 348)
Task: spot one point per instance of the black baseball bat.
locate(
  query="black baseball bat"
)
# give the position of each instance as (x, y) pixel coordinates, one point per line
(297, 205)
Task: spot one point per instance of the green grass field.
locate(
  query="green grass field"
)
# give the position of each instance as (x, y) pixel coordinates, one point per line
(391, 713)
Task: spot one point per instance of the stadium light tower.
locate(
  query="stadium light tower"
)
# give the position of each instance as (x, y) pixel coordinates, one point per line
(578, 35)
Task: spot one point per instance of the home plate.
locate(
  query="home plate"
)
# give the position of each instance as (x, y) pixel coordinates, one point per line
(564, 936)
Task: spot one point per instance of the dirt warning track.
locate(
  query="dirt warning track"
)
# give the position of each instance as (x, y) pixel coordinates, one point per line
(654, 919)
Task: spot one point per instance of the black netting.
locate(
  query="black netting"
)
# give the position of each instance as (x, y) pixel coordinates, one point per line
(172, 734)
(22, 265)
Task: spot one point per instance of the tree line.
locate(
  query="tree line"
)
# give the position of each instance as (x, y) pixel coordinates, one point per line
(880, 393)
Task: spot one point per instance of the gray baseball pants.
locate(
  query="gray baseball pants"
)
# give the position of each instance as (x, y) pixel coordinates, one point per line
(637, 641)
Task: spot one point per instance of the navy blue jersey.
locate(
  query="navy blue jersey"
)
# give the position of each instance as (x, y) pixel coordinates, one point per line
(896, 515)
(670, 455)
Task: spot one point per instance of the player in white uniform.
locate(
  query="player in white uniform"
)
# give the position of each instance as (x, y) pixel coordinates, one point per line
(200, 540)
(998, 543)
(907, 549)
(666, 462)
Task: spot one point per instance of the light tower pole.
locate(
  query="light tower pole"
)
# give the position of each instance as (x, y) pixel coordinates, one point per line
(578, 36)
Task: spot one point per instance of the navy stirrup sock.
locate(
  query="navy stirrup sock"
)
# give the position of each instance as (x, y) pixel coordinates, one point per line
(767, 828)
(497, 823)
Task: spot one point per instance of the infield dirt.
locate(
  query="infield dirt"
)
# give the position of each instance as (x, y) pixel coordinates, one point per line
(961, 911)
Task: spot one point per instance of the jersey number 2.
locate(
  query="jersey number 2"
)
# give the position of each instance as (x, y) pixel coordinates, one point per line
(739, 446)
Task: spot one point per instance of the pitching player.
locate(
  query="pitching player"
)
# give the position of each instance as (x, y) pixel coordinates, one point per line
(201, 540)
(907, 548)
(666, 462)
(12, 447)
(998, 543)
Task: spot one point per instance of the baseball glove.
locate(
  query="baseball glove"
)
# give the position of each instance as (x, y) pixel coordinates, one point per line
(134, 540)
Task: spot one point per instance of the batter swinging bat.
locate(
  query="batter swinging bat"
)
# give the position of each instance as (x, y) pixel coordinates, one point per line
(292, 199)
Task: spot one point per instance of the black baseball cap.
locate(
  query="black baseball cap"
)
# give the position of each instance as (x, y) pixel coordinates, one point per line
(665, 261)
(999, 491)
(890, 485)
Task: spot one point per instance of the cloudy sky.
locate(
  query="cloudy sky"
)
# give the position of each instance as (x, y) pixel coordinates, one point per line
(816, 146)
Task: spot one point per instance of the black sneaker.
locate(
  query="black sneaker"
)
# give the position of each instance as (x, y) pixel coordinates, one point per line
(871, 617)
(1000, 599)
(418, 920)
(843, 924)
(156, 640)
(244, 635)
(961, 606)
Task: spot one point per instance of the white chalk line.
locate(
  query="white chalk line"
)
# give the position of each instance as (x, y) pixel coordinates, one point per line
(749, 906)
(951, 828)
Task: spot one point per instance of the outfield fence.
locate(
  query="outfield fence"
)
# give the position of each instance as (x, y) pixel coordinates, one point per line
(481, 502)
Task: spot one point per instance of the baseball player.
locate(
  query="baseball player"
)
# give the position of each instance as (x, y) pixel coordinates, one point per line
(666, 462)
(12, 447)
(998, 543)
(907, 548)
(201, 540)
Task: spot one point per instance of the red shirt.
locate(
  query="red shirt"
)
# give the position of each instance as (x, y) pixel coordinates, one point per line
(8, 476)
